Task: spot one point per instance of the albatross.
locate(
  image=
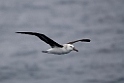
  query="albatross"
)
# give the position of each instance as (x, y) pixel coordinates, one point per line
(56, 48)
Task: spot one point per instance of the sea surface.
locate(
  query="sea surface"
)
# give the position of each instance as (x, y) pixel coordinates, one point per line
(100, 61)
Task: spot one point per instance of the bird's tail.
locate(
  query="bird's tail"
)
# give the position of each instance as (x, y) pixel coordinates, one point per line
(45, 51)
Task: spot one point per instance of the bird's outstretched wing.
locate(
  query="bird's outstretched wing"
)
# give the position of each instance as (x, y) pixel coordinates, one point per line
(82, 40)
(44, 38)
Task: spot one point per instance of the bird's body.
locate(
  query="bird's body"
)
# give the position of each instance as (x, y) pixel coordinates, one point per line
(55, 47)
(59, 51)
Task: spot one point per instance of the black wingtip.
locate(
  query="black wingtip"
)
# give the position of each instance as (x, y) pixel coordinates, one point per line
(16, 32)
(30, 33)
(85, 40)
(20, 32)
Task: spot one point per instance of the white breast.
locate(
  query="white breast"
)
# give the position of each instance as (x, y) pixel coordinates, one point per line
(59, 51)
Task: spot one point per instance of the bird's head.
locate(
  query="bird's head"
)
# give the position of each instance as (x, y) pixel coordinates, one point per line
(71, 47)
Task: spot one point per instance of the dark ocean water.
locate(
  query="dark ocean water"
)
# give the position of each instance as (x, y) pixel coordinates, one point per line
(101, 61)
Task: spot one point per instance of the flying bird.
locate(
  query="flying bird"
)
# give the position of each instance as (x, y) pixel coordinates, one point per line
(55, 47)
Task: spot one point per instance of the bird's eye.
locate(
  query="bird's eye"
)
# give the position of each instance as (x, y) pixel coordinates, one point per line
(71, 46)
